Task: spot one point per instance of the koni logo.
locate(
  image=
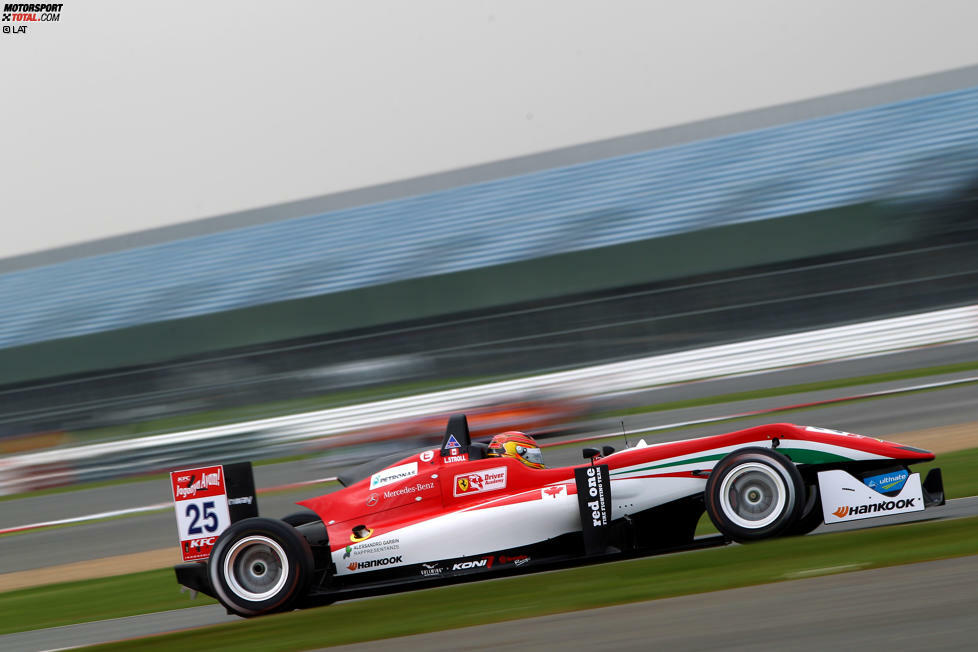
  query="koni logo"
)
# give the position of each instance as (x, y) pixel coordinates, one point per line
(485, 562)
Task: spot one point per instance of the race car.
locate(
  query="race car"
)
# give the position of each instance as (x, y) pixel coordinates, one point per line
(458, 512)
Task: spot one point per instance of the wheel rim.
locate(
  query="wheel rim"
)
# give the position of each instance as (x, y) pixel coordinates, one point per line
(256, 568)
(753, 495)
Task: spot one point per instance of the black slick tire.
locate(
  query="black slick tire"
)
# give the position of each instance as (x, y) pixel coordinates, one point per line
(260, 566)
(754, 493)
(811, 513)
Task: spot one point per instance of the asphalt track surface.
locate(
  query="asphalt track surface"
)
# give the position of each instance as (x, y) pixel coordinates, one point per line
(155, 530)
(925, 606)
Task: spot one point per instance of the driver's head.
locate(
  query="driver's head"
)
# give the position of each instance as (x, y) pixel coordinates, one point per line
(518, 445)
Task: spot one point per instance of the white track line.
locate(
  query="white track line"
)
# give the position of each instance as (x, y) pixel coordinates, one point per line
(140, 510)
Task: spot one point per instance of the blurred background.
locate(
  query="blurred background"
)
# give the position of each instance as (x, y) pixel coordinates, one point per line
(345, 316)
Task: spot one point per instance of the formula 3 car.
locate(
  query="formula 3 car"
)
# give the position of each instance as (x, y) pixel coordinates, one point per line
(453, 513)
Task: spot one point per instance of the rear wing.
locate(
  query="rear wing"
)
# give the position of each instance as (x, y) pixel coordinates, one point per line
(209, 499)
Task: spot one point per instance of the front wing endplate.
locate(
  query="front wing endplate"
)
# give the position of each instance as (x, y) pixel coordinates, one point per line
(846, 498)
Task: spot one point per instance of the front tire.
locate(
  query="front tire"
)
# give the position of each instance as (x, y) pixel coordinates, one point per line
(260, 566)
(753, 494)
(810, 516)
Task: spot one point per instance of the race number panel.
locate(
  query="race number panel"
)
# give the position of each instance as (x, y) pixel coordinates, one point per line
(201, 502)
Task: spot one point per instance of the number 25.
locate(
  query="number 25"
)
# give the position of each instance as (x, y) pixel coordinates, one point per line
(210, 518)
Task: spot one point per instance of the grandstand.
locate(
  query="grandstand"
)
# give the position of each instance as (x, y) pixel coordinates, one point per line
(862, 170)
(913, 150)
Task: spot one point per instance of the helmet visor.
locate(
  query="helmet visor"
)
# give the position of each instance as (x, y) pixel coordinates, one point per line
(532, 455)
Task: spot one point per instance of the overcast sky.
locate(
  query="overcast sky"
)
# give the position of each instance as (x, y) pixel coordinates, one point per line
(129, 115)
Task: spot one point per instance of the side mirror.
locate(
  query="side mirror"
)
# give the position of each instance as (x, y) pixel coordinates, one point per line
(590, 453)
(607, 450)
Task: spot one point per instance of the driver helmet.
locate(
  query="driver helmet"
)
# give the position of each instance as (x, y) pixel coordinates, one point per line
(518, 445)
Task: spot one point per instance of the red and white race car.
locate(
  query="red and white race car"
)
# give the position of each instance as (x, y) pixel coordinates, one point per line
(453, 513)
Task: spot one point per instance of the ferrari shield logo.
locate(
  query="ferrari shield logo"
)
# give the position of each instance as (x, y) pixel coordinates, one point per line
(479, 481)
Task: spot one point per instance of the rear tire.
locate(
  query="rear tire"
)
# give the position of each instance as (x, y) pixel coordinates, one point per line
(260, 566)
(753, 494)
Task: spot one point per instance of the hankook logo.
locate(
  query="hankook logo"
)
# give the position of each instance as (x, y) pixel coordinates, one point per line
(888, 506)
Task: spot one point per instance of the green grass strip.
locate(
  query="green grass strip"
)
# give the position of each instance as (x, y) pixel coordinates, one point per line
(958, 471)
(87, 600)
(579, 588)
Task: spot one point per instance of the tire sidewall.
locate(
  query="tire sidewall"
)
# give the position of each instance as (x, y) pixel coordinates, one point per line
(296, 550)
(783, 467)
(810, 515)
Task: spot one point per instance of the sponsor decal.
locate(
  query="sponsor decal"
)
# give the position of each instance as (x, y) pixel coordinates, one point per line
(485, 562)
(208, 481)
(195, 549)
(431, 570)
(480, 481)
(887, 482)
(393, 474)
(594, 490)
(199, 543)
(874, 508)
(553, 491)
(594, 502)
(373, 547)
(374, 563)
(372, 500)
(242, 500)
(201, 506)
(829, 431)
(452, 442)
(427, 456)
(518, 560)
(453, 458)
(846, 498)
(413, 489)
